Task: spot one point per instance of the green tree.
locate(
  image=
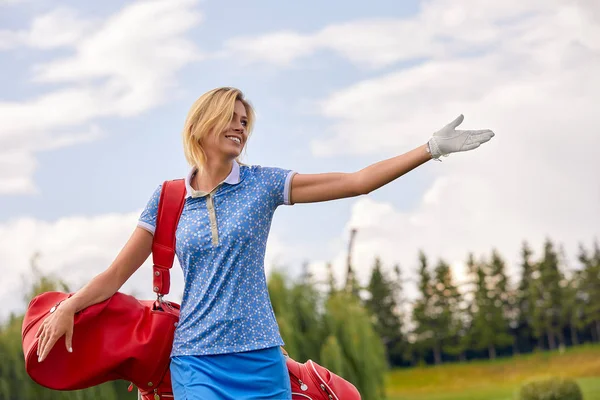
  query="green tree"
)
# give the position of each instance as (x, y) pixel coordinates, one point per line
(400, 354)
(336, 333)
(446, 305)
(332, 357)
(308, 326)
(383, 307)
(524, 330)
(548, 296)
(482, 333)
(590, 287)
(426, 337)
(331, 283)
(363, 352)
(503, 308)
(573, 311)
(470, 310)
(281, 301)
(490, 328)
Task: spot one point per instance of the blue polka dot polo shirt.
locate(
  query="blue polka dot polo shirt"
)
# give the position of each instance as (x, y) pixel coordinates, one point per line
(220, 244)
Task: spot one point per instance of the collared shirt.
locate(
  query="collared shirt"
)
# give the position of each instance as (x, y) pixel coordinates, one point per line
(220, 244)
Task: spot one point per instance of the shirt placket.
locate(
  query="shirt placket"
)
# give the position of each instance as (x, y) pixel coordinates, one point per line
(212, 217)
(212, 214)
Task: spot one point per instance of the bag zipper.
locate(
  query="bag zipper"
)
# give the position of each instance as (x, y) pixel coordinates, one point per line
(303, 385)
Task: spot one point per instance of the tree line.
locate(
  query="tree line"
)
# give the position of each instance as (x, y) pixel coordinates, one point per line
(548, 305)
(361, 331)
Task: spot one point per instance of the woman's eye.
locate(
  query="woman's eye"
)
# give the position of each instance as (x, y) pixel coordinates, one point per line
(245, 123)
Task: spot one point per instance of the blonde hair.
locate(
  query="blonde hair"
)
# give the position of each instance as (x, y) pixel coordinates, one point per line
(211, 113)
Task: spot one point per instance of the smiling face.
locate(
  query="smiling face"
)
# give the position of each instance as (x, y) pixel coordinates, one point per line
(230, 142)
(217, 127)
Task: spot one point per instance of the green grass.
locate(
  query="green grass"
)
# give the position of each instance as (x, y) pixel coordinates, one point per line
(496, 380)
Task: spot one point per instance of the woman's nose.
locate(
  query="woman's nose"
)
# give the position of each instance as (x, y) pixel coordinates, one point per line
(237, 126)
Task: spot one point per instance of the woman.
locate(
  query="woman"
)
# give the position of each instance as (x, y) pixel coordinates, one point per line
(226, 345)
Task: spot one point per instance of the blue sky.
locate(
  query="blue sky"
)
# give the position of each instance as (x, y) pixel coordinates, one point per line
(337, 86)
(123, 156)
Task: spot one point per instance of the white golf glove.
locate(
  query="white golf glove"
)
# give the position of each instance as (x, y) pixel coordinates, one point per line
(449, 140)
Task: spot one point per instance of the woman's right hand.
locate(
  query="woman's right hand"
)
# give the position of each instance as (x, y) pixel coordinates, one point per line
(60, 322)
(57, 324)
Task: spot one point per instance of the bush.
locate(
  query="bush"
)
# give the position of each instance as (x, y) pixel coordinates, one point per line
(551, 389)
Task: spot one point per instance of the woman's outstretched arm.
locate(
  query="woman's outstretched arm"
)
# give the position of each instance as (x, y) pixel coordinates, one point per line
(310, 188)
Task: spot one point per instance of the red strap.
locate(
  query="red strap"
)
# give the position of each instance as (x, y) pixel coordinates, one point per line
(170, 206)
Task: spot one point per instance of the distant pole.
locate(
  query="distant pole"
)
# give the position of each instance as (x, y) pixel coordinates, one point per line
(350, 278)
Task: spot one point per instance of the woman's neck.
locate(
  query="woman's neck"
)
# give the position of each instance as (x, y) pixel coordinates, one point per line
(214, 172)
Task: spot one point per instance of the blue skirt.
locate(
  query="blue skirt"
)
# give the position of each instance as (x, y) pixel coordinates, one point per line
(251, 375)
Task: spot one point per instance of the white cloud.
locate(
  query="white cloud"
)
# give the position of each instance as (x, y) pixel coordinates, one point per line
(15, 170)
(278, 48)
(441, 29)
(8, 39)
(58, 28)
(121, 67)
(75, 249)
(61, 27)
(535, 83)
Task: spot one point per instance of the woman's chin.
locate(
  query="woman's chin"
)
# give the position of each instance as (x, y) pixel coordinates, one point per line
(232, 153)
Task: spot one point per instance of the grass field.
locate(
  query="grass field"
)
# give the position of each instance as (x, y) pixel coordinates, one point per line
(496, 380)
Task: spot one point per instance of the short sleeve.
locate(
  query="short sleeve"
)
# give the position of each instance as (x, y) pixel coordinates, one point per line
(147, 219)
(279, 184)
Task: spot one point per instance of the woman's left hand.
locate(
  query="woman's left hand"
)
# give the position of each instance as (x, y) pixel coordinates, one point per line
(449, 140)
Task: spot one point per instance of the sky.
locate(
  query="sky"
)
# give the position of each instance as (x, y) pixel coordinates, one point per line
(93, 98)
